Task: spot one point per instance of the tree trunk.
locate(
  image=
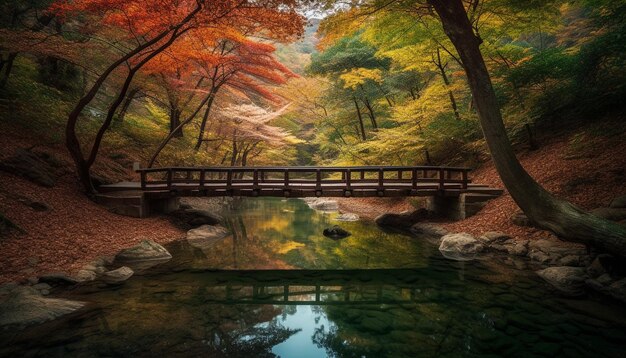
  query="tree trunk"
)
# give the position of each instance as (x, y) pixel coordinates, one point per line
(171, 134)
(129, 99)
(205, 117)
(7, 71)
(360, 117)
(446, 81)
(175, 128)
(544, 210)
(371, 113)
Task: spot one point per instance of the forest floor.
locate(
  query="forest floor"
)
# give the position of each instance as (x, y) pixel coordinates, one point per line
(74, 231)
(586, 166)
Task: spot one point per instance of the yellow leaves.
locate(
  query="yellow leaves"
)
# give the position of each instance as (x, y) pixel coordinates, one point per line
(358, 76)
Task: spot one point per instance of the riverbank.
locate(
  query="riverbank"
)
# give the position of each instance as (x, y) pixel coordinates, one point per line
(583, 167)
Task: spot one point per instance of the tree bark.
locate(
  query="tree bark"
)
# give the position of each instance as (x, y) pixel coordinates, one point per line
(205, 117)
(544, 210)
(7, 71)
(360, 117)
(446, 81)
(371, 114)
(129, 99)
(175, 128)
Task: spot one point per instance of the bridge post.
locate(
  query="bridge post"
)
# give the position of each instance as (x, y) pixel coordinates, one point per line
(318, 182)
(381, 179)
(229, 179)
(202, 178)
(442, 179)
(348, 191)
(414, 179)
(169, 179)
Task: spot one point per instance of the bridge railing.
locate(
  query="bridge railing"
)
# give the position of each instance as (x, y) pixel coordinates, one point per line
(309, 178)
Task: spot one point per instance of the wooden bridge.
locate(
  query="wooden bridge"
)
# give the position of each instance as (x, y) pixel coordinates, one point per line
(158, 190)
(298, 182)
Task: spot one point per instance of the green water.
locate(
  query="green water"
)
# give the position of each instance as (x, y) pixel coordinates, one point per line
(278, 287)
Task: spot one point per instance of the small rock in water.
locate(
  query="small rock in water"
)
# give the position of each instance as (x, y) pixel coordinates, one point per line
(147, 250)
(403, 220)
(117, 276)
(24, 306)
(347, 217)
(85, 275)
(460, 247)
(336, 233)
(428, 229)
(566, 279)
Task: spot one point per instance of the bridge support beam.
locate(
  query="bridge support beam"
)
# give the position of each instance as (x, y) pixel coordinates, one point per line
(450, 207)
(161, 205)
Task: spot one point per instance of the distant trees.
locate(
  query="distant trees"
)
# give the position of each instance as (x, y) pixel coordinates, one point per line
(467, 26)
(141, 30)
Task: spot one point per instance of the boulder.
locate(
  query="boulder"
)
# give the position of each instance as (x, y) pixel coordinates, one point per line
(24, 306)
(460, 246)
(147, 250)
(494, 237)
(206, 236)
(336, 233)
(403, 220)
(117, 276)
(428, 229)
(613, 214)
(520, 219)
(58, 279)
(601, 264)
(617, 290)
(619, 202)
(190, 218)
(29, 165)
(85, 275)
(568, 280)
(322, 204)
(347, 217)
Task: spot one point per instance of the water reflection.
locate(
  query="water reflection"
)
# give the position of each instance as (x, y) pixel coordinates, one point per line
(278, 287)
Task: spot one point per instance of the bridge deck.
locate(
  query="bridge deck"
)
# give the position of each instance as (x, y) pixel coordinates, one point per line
(302, 182)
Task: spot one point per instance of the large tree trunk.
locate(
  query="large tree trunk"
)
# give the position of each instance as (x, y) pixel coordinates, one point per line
(544, 210)
(175, 129)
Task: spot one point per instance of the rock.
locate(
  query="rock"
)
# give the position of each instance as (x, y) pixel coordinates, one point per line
(39, 206)
(190, 218)
(403, 220)
(566, 279)
(613, 214)
(617, 290)
(539, 256)
(90, 268)
(336, 233)
(494, 237)
(117, 276)
(85, 276)
(206, 236)
(570, 260)
(520, 219)
(41, 286)
(519, 248)
(428, 229)
(24, 306)
(556, 248)
(58, 279)
(322, 204)
(601, 264)
(147, 250)
(619, 202)
(347, 217)
(460, 247)
(605, 279)
(29, 165)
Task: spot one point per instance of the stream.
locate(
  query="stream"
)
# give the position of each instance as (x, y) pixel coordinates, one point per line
(278, 287)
